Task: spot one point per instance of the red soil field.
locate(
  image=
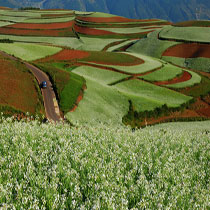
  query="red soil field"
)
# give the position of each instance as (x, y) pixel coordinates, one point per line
(65, 55)
(43, 26)
(5, 8)
(193, 23)
(31, 32)
(188, 50)
(17, 87)
(116, 19)
(91, 31)
(104, 58)
(184, 77)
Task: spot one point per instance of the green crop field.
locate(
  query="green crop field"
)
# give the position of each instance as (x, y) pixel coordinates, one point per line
(150, 92)
(195, 79)
(48, 20)
(118, 46)
(199, 63)
(100, 75)
(101, 103)
(148, 65)
(151, 46)
(5, 23)
(194, 34)
(168, 72)
(28, 51)
(95, 44)
(58, 41)
(106, 167)
(13, 13)
(126, 30)
(12, 19)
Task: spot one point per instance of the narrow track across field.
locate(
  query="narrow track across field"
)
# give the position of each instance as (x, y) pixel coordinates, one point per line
(50, 102)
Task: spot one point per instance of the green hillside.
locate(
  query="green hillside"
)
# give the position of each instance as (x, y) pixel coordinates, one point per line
(110, 68)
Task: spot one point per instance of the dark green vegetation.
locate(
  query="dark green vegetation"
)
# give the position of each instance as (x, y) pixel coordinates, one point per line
(68, 86)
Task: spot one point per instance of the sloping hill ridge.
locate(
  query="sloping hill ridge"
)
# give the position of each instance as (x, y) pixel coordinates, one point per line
(176, 10)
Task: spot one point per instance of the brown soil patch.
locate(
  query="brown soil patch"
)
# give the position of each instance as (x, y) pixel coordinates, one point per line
(197, 110)
(30, 32)
(5, 8)
(116, 19)
(42, 26)
(184, 77)
(188, 50)
(17, 87)
(92, 31)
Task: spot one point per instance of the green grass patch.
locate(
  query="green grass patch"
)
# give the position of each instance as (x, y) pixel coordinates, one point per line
(151, 46)
(195, 79)
(193, 34)
(101, 103)
(146, 96)
(95, 44)
(148, 65)
(168, 72)
(202, 64)
(58, 41)
(49, 20)
(27, 51)
(5, 23)
(102, 76)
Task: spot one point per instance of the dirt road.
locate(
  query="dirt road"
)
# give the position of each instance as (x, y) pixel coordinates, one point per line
(50, 102)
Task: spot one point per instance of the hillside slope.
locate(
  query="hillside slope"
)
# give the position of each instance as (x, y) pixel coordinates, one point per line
(177, 10)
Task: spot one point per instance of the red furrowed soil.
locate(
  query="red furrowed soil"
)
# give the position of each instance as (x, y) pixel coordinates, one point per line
(65, 55)
(91, 31)
(116, 19)
(41, 26)
(31, 32)
(188, 50)
(184, 77)
(17, 87)
(197, 110)
(104, 58)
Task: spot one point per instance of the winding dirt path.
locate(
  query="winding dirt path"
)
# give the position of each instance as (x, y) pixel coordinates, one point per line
(50, 103)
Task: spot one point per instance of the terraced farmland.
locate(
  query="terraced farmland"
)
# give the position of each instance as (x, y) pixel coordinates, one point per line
(105, 67)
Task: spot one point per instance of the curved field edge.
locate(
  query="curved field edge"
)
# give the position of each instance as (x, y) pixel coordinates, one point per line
(195, 79)
(148, 65)
(99, 158)
(167, 72)
(28, 52)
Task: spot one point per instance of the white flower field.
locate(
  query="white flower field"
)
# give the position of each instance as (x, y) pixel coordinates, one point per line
(47, 166)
